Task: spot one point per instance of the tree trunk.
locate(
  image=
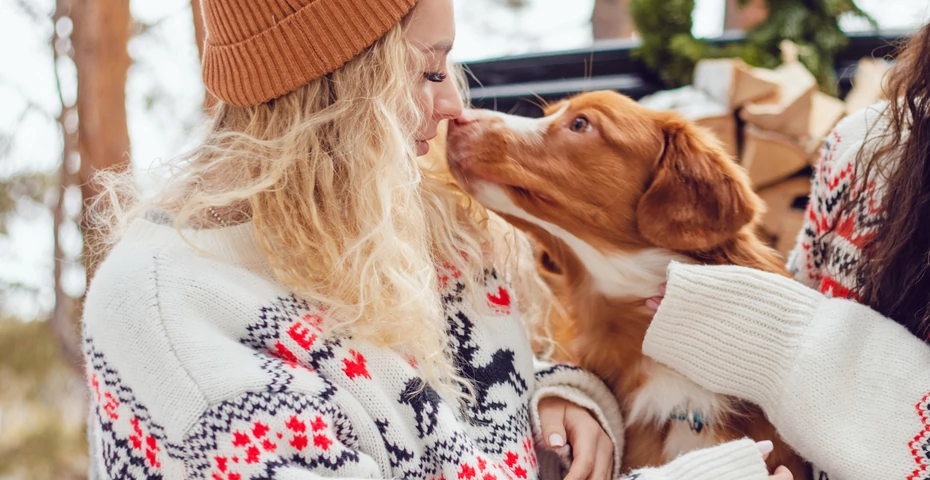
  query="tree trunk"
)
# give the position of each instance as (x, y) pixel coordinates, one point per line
(200, 35)
(64, 321)
(101, 34)
(611, 19)
(744, 18)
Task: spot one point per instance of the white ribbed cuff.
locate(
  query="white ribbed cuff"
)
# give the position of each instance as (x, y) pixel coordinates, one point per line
(733, 330)
(738, 460)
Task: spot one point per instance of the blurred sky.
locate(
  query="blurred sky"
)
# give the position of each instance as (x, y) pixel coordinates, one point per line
(164, 93)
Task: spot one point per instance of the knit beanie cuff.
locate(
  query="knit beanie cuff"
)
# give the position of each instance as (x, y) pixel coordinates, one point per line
(313, 41)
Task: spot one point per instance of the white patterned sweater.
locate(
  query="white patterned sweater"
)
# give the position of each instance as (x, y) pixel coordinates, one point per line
(206, 368)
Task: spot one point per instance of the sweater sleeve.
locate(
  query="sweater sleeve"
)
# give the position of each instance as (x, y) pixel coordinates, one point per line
(255, 434)
(583, 389)
(832, 185)
(153, 417)
(282, 435)
(805, 262)
(737, 460)
(845, 386)
(267, 433)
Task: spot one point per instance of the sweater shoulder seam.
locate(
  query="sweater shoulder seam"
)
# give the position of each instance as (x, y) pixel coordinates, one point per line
(157, 259)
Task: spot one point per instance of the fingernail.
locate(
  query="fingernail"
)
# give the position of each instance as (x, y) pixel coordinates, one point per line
(652, 305)
(556, 440)
(662, 289)
(765, 447)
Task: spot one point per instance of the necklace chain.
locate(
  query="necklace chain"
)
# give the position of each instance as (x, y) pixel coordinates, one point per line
(216, 216)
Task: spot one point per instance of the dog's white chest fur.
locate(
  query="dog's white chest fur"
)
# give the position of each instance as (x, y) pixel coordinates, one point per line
(666, 393)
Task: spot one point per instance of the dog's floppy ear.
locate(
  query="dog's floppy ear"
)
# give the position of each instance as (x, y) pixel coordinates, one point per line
(699, 197)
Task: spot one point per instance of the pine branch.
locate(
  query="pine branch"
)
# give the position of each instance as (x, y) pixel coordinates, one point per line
(671, 50)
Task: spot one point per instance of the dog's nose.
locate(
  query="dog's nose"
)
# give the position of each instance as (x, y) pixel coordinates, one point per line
(468, 116)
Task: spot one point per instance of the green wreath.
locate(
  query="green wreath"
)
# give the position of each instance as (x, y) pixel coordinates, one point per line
(670, 50)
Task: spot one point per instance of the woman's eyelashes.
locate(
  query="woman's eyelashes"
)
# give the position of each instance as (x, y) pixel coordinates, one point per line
(436, 77)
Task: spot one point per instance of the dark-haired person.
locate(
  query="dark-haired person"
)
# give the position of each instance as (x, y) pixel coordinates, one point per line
(839, 358)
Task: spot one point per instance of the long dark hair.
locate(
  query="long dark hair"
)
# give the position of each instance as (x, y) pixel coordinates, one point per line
(894, 276)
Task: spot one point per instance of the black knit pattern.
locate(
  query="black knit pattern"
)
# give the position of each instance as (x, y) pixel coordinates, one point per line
(132, 444)
(211, 436)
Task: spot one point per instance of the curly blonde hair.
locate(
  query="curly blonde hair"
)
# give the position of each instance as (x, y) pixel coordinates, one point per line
(345, 213)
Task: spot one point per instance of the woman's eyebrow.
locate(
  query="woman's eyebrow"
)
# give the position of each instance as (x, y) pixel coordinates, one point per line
(444, 46)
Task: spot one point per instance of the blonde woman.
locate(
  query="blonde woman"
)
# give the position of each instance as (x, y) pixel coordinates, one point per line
(301, 300)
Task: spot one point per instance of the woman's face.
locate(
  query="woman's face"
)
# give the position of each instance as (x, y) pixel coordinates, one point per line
(432, 30)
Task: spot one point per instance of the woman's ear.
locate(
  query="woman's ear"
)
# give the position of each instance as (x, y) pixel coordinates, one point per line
(699, 197)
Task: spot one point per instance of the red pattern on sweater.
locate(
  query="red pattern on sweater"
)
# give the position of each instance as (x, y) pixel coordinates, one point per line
(920, 446)
(839, 225)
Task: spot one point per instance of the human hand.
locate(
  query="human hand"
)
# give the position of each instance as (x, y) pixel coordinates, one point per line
(592, 449)
(653, 303)
(782, 472)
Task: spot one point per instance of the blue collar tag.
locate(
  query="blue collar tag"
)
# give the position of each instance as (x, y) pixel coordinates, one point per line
(695, 420)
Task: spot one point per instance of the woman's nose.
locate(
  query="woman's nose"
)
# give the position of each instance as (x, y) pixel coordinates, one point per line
(449, 105)
(468, 116)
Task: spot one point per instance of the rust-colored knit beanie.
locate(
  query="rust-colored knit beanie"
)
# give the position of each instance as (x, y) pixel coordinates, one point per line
(258, 50)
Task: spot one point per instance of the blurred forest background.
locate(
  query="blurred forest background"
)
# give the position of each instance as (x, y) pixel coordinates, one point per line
(93, 84)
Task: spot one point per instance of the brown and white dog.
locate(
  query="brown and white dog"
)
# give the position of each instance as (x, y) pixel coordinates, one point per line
(613, 192)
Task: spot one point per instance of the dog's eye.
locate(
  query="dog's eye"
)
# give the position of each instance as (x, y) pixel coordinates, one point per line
(580, 124)
(548, 264)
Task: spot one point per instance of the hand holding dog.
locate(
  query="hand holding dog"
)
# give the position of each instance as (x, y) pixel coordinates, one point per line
(592, 449)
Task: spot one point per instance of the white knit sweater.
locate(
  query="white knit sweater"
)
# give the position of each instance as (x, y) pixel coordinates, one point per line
(846, 387)
(204, 367)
